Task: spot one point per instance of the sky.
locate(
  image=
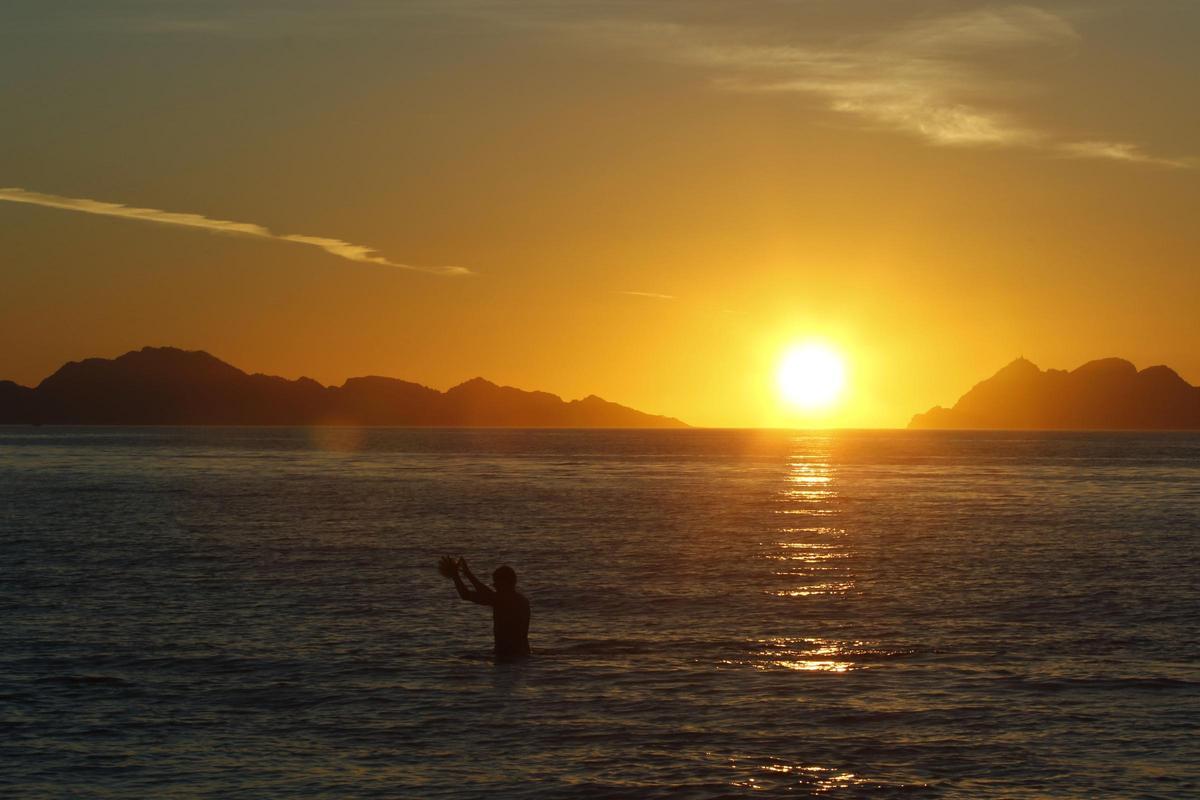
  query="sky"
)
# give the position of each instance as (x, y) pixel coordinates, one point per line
(649, 201)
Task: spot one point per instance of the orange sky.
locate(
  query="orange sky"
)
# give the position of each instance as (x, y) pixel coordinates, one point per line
(654, 200)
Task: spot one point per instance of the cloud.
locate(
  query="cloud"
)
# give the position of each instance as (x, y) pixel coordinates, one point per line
(651, 295)
(336, 247)
(1122, 151)
(939, 78)
(913, 80)
(923, 78)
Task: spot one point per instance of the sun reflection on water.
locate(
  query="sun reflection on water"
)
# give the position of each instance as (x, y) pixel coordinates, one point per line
(818, 666)
(765, 773)
(831, 587)
(811, 655)
(813, 557)
(810, 561)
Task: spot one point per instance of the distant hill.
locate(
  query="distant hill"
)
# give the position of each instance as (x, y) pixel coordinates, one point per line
(168, 386)
(1108, 394)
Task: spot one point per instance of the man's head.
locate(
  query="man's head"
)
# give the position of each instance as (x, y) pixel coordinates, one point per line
(504, 579)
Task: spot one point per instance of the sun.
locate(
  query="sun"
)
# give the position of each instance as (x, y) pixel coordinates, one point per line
(811, 376)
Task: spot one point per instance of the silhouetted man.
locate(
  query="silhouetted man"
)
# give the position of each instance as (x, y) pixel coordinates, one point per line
(510, 609)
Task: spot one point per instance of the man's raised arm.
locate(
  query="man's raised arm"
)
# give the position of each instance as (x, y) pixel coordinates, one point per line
(482, 594)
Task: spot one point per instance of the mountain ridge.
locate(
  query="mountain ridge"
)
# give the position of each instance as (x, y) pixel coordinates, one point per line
(171, 386)
(1103, 394)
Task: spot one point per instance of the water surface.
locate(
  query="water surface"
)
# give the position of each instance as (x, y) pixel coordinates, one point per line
(255, 612)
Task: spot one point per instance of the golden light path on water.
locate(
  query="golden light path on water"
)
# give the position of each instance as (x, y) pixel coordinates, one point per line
(813, 557)
(822, 779)
(809, 558)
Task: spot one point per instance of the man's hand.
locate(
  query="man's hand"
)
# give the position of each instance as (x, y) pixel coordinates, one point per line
(448, 566)
(482, 593)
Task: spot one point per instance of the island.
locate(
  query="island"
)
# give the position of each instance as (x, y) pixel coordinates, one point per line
(170, 386)
(1107, 394)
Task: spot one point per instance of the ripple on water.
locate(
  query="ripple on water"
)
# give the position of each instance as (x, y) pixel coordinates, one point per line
(255, 612)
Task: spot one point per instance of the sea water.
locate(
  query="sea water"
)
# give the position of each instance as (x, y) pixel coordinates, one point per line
(256, 612)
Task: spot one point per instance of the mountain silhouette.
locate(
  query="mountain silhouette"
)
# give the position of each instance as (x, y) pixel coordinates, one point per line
(1108, 394)
(169, 386)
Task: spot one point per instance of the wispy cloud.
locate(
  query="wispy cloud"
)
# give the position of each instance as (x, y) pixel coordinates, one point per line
(924, 78)
(336, 247)
(651, 295)
(1123, 151)
(942, 79)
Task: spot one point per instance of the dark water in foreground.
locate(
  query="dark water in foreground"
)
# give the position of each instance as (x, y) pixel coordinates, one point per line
(256, 613)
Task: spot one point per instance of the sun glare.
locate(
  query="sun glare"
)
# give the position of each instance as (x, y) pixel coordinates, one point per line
(811, 376)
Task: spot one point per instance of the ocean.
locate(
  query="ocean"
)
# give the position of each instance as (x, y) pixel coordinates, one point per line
(256, 612)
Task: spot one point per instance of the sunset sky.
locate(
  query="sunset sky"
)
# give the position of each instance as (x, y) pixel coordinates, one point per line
(649, 201)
